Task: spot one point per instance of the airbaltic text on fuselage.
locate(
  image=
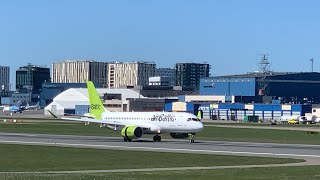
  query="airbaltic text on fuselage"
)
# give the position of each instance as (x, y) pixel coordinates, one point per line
(164, 117)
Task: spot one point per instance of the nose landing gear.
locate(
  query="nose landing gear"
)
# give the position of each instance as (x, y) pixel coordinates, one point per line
(192, 135)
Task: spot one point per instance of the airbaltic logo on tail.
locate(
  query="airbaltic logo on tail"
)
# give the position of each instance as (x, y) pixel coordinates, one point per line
(95, 106)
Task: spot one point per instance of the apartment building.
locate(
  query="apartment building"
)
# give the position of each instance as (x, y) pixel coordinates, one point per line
(130, 73)
(75, 71)
(4, 78)
(189, 74)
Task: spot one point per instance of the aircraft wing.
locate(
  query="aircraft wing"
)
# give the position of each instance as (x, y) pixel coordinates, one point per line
(109, 122)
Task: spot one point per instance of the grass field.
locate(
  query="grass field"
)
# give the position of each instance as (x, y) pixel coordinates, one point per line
(258, 135)
(209, 133)
(283, 173)
(58, 128)
(43, 158)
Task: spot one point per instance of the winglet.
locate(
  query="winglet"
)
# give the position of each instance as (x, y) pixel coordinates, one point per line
(53, 114)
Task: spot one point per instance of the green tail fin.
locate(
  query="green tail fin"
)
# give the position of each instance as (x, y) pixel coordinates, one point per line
(96, 106)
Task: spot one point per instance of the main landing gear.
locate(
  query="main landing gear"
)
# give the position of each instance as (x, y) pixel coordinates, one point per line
(127, 139)
(157, 138)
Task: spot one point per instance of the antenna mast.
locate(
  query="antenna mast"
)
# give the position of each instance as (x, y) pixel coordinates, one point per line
(264, 64)
(311, 61)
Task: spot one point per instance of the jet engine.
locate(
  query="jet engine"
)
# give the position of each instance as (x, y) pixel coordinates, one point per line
(132, 132)
(179, 135)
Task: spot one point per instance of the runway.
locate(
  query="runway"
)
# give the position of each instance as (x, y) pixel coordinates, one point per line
(167, 145)
(291, 128)
(311, 153)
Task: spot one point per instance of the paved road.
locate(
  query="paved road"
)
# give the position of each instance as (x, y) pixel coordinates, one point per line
(311, 153)
(167, 145)
(292, 128)
(25, 114)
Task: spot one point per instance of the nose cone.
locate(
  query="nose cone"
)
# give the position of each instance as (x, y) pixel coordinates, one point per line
(200, 126)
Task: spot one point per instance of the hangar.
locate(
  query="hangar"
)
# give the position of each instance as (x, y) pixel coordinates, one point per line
(67, 101)
(285, 87)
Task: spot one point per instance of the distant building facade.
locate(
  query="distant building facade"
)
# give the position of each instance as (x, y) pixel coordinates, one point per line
(130, 73)
(30, 78)
(270, 87)
(50, 90)
(189, 74)
(71, 71)
(165, 72)
(4, 78)
(162, 81)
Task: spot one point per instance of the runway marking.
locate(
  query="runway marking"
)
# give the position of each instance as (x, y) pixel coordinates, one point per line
(163, 149)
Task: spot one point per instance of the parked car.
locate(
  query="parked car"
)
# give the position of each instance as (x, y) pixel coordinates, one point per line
(293, 121)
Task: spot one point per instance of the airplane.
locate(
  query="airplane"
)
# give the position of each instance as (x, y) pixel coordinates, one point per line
(34, 107)
(134, 125)
(13, 109)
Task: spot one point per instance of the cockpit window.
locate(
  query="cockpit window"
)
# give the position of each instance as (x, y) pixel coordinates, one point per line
(193, 119)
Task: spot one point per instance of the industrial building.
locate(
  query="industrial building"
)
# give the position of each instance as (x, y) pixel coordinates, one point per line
(264, 112)
(79, 71)
(268, 87)
(162, 91)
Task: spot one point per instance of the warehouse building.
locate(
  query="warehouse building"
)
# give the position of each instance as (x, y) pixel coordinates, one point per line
(265, 112)
(270, 87)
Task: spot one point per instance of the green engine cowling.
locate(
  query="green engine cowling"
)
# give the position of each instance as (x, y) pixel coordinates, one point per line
(132, 132)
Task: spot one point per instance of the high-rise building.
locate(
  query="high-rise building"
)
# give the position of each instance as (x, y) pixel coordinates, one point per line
(189, 74)
(130, 73)
(31, 77)
(71, 71)
(4, 78)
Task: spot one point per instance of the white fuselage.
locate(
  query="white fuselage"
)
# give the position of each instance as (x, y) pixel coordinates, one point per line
(158, 122)
(11, 109)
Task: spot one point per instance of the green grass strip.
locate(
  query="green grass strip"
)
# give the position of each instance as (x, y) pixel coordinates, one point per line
(43, 158)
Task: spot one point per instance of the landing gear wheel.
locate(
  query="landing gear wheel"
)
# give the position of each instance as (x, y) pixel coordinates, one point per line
(157, 138)
(191, 138)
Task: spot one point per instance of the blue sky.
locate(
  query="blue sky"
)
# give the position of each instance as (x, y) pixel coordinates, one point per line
(228, 34)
